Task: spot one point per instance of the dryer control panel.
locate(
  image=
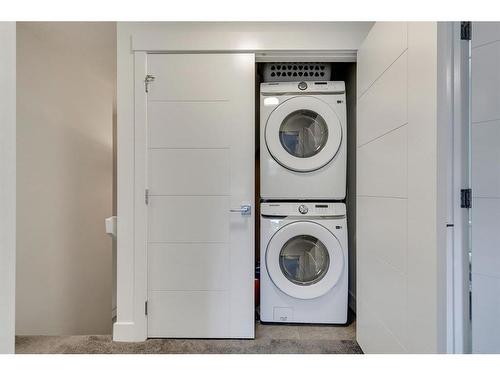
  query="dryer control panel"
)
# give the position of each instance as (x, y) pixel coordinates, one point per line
(301, 87)
(302, 209)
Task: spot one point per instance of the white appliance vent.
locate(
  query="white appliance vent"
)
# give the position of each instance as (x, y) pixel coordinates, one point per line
(297, 71)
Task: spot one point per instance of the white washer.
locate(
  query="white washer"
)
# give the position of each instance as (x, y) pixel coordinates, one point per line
(303, 140)
(304, 263)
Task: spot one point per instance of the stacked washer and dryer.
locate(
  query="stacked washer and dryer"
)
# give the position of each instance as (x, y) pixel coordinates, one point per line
(303, 252)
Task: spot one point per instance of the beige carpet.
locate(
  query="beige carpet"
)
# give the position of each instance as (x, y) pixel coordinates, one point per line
(303, 339)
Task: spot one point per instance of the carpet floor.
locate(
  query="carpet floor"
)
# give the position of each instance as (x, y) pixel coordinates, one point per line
(292, 339)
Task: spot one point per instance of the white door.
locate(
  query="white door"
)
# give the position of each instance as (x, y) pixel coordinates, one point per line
(200, 174)
(485, 169)
(400, 215)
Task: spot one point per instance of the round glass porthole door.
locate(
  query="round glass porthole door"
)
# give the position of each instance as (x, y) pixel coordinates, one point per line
(303, 134)
(304, 260)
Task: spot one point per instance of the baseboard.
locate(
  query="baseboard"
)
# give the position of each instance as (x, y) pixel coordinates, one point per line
(126, 332)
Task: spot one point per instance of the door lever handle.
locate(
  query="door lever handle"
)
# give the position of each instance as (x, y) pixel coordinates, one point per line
(245, 210)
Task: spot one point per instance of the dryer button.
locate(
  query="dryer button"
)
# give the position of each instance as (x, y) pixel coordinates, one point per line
(303, 209)
(302, 86)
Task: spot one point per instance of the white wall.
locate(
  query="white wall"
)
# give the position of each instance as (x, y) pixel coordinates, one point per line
(399, 226)
(485, 169)
(8, 184)
(65, 89)
(189, 36)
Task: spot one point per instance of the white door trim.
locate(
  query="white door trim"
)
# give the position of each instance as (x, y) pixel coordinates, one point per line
(328, 41)
(454, 117)
(141, 184)
(131, 324)
(462, 342)
(8, 185)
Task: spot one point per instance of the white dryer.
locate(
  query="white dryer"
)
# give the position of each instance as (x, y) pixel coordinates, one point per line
(303, 140)
(304, 263)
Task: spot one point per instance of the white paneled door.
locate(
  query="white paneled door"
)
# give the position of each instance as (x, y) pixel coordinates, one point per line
(400, 215)
(199, 175)
(485, 169)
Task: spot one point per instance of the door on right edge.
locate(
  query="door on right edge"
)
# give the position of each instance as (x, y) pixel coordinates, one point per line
(398, 220)
(485, 171)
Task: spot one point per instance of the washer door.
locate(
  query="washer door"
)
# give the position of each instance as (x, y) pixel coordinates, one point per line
(303, 134)
(304, 259)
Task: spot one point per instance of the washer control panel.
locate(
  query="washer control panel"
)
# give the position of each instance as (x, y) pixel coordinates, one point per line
(302, 209)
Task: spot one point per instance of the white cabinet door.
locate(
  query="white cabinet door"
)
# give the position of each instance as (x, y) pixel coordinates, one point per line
(485, 169)
(199, 167)
(400, 222)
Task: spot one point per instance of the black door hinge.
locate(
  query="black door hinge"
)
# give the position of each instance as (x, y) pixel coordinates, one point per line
(466, 198)
(466, 30)
(146, 308)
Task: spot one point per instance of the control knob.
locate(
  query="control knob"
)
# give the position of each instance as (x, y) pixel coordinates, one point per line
(303, 209)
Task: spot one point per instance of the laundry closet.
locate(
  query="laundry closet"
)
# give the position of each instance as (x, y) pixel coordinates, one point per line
(201, 202)
(301, 158)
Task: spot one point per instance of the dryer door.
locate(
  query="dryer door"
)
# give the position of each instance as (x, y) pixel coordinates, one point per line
(303, 134)
(304, 260)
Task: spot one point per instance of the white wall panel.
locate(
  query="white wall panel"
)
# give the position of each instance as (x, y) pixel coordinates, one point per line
(422, 189)
(485, 312)
(486, 236)
(387, 296)
(486, 83)
(485, 32)
(382, 166)
(485, 157)
(380, 49)
(372, 333)
(378, 217)
(384, 107)
(397, 212)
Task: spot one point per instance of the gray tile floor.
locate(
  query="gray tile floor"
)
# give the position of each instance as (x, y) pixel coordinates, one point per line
(293, 339)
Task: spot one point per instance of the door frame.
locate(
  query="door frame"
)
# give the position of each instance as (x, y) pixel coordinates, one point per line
(8, 186)
(454, 115)
(132, 51)
(131, 322)
(462, 339)
(133, 48)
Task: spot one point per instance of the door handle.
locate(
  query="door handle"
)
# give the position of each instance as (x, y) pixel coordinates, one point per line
(245, 210)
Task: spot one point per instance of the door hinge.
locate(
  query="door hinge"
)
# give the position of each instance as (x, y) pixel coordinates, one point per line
(149, 78)
(146, 308)
(466, 30)
(466, 198)
(146, 196)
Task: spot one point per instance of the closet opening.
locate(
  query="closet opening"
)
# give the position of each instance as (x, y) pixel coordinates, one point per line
(318, 75)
